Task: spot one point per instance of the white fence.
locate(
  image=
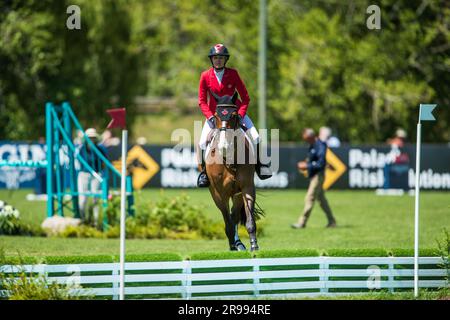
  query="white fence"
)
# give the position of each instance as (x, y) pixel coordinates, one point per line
(274, 277)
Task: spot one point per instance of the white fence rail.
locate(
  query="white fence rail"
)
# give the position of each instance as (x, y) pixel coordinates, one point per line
(306, 276)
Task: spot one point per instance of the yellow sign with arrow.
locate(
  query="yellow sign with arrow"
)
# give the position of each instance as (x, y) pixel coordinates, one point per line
(140, 165)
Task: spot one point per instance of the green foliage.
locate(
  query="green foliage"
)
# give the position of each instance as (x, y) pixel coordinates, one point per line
(174, 218)
(369, 252)
(287, 253)
(35, 287)
(360, 225)
(221, 255)
(81, 231)
(112, 211)
(78, 259)
(443, 245)
(150, 257)
(332, 70)
(356, 252)
(11, 224)
(22, 285)
(324, 66)
(423, 252)
(42, 60)
(168, 218)
(424, 294)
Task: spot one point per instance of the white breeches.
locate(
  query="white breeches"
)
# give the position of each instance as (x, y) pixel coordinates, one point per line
(87, 184)
(251, 132)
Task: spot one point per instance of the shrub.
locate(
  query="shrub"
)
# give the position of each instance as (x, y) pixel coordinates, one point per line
(167, 218)
(443, 245)
(24, 285)
(35, 287)
(287, 253)
(363, 252)
(11, 224)
(82, 231)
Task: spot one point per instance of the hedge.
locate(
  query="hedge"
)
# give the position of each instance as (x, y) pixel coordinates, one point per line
(361, 252)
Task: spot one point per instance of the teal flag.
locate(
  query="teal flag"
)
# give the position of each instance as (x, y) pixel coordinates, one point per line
(425, 112)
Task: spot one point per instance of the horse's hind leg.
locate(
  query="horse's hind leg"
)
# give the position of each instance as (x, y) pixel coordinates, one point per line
(249, 197)
(238, 205)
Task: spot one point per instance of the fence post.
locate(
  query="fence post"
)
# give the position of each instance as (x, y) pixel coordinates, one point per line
(115, 282)
(324, 265)
(187, 270)
(391, 275)
(255, 277)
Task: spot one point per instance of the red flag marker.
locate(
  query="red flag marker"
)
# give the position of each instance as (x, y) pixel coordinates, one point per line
(118, 118)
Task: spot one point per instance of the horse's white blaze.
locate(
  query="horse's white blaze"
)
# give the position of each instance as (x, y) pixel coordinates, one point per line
(223, 143)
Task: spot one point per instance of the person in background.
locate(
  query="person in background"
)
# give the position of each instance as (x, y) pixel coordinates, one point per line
(325, 134)
(109, 140)
(397, 166)
(315, 167)
(398, 141)
(88, 185)
(142, 141)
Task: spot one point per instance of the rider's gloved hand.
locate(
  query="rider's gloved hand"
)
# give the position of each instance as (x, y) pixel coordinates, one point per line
(241, 122)
(212, 122)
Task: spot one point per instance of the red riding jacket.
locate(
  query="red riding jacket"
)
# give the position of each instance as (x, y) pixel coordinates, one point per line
(230, 82)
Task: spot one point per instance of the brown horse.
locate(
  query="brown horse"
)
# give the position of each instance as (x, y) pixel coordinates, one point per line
(230, 166)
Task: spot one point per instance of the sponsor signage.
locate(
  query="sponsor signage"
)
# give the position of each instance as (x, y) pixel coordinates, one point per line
(349, 167)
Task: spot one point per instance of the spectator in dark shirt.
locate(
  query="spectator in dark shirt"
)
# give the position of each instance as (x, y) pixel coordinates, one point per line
(315, 168)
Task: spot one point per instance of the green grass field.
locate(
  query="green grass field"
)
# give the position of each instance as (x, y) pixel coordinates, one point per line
(364, 221)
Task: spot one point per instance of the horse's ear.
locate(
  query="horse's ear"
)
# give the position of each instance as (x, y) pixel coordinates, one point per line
(234, 98)
(216, 97)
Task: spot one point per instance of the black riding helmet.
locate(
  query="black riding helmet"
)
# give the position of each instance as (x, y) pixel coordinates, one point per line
(218, 50)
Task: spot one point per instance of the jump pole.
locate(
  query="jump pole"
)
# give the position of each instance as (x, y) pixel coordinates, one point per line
(425, 115)
(118, 120)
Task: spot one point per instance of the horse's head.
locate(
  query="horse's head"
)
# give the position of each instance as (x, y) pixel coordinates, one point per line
(226, 119)
(226, 112)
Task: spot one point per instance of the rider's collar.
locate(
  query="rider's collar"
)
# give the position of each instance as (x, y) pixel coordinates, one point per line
(221, 70)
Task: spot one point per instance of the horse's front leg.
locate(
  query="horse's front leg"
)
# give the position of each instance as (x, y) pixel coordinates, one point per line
(222, 203)
(249, 197)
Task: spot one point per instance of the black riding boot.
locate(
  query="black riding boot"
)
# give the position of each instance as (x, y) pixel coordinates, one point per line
(262, 170)
(203, 181)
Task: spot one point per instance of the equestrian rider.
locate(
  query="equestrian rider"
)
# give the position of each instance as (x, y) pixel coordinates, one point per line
(224, 81)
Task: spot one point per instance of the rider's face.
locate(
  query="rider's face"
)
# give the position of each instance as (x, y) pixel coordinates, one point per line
(218, 61)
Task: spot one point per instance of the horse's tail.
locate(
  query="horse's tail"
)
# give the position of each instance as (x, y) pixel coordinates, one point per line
(258, 213)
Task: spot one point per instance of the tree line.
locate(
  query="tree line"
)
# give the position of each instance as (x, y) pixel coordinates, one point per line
(325, 67)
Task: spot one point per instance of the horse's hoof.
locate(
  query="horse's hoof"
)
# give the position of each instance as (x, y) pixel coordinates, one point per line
(240, 246)
(254, 247)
